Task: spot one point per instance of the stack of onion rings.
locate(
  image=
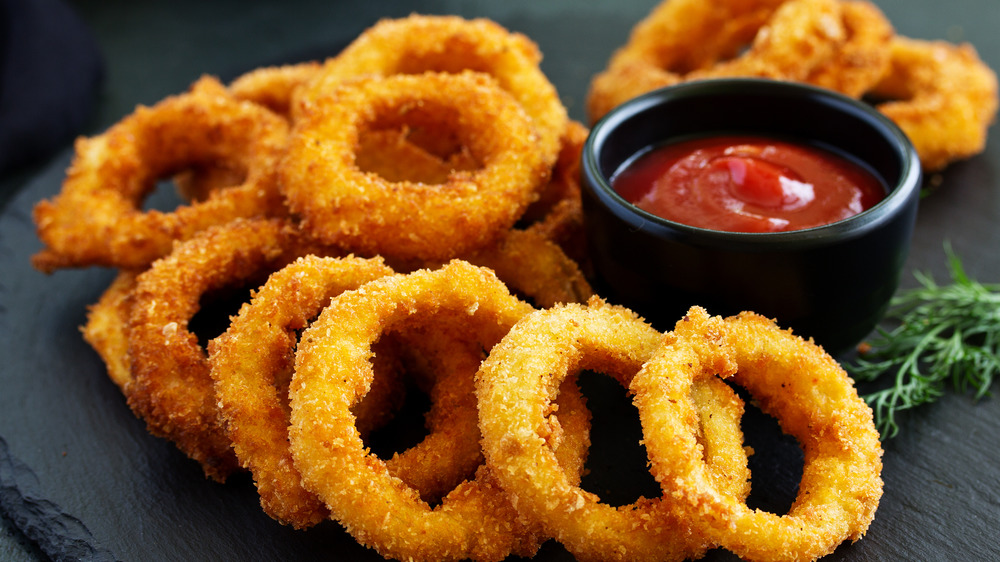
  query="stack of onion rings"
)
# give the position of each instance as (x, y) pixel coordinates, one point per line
(389, 203)
(534, 426)
(516, 386)
(251, 361)
(484, 183)
(170, 386)
(813, 400)
(332, 372)
(693, 39)
(224, 146)
(942, 95)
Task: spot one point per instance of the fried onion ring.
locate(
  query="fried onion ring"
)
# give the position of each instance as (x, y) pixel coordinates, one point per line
(516, 385)
(476, 520)
(941, 95)
(693, 39)
(418, 44)
(813, 400)
(96, 218)
(170, 386)
(412, 220)
(258, 349)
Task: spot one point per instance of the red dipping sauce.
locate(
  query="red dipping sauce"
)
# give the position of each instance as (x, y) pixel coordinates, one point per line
(747, 184)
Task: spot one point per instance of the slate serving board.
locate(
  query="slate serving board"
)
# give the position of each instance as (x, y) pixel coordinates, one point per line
(80, 478)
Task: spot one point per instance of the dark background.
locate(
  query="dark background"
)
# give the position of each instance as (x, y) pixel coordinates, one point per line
(74, 455)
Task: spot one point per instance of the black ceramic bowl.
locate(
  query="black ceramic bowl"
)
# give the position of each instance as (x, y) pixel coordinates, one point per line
(832, 282)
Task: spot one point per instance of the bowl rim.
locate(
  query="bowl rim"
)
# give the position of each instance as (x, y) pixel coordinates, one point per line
(897, 199)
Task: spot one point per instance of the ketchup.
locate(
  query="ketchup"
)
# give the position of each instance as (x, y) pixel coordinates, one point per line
(747, 184)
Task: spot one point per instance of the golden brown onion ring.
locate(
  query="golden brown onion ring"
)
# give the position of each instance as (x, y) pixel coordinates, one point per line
(418, 44)
(516, 385)
(813, 400)
(97, 219)
(411, 220)
(943, 97)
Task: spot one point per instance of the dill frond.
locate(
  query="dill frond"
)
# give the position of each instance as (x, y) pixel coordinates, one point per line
(945, 337)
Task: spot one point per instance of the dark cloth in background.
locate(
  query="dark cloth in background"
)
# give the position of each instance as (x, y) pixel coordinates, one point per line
(50, 73)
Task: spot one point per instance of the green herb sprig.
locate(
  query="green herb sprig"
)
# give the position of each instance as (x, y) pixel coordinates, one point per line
(944, 333)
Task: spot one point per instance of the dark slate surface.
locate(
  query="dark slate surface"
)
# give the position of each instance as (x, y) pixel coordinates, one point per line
(81, 479)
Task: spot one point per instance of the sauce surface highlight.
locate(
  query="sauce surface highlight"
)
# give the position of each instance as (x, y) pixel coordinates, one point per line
(747, 184)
